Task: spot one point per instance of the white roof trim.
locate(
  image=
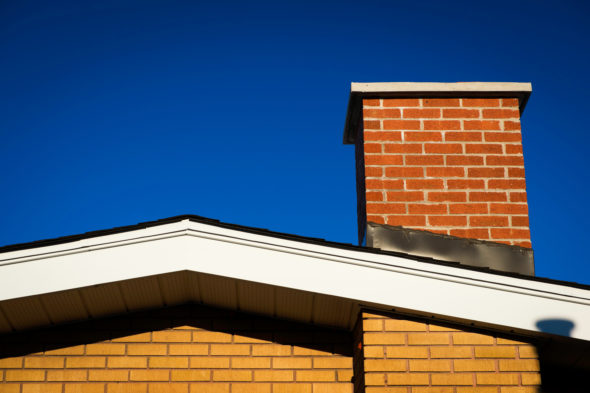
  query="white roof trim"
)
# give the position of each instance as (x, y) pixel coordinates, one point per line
(367, 278)
(436, 87)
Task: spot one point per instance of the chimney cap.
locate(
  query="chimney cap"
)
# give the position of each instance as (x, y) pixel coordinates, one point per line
(358, 91)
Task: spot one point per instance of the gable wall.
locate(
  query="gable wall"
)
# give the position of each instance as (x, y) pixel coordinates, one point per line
(185, 349)
(407, 356)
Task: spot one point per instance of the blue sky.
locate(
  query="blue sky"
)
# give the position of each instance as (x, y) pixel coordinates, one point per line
(117, 112)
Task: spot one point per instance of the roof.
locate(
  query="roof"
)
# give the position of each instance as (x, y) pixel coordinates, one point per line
(358, 91)
(194, 259)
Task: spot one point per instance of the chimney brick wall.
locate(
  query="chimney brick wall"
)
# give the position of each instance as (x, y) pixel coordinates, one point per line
(447, 165)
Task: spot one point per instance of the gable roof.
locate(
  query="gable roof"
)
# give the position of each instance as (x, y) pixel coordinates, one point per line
(191, 258)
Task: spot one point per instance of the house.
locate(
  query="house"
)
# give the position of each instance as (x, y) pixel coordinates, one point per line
(442, 299)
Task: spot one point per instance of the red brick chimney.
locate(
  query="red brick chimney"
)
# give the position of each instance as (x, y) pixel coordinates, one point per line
(441, 157)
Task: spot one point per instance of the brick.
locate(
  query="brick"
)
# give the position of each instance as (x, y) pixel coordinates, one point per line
(527, 352)
(503, 137)
(485, 172)
(208, 387)
(168, 388)
(302, 351)
(423, 136)
(382, 136)
(439, 221)
(406, 220)
(465, 184)
(515, 172)
(500, 114)
(509, 208)
(418, 208)
(84, 388)
(518, 221)
(24, 375)
(472, 233)
(384, 159)
(273, 375)
(442, 125)
(372, 124)
(496, 379)
(373, 148)
(405, 196)
(518, 389)
(389, 389)
(495, 352)
(481, 125)
(434, 389)
(480, 102)
(386, 208)
(464, 160)
(505, 160)
(407, 379)
(371, 113)
(474, 365)
(291, 363)
(463, 136)
(384, 184)
(478, 389)
(531, 379)
(315, 375)
(127, 387)
(105, 349)
(385, 365)
(345, 375)
(198, 375)
(519, 365)
(509, 102)
(507, 184)
(332, 362)
(518, 197)
(371, 102)
(488, 221)
(384, 338)
(332, 388)
(428, 338)
(401, 102)
(444, 172)
(514, 149)
(422, 184)
(209, 362)
(450, 352)
(483, 148)
(374, 351)
(169, 362)
(372, 325)
(67, 375)
(461, 113)
(250, 362)
(443, 148)
(472, 339)
(271, 350)
(127, 362)
(151, 349)
(86, 362)
(402, 147)
(430, 365)
(401, 325)
(211, 337)
(37, 388)
(229, 349)
(405, 172)
(44, 362)
(452, 379)
(487, 196)
(441, 102)
(374, 379)
(421, 113)
(406, 352)
(135, 338)
(108, 375)
(401, 124)
(373, 172)
(291, 388)
(250, 388)
(424, 159)
(511, 125)
(447, 196)
(232, 375)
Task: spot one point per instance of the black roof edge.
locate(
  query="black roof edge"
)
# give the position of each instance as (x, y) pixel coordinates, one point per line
(280, 235)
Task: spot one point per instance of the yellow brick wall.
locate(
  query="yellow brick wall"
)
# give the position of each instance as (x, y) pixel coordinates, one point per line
(185, 349)
(407, 356)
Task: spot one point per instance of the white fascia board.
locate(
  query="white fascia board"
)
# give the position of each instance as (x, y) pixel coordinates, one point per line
(436, 87)
(386, 280)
